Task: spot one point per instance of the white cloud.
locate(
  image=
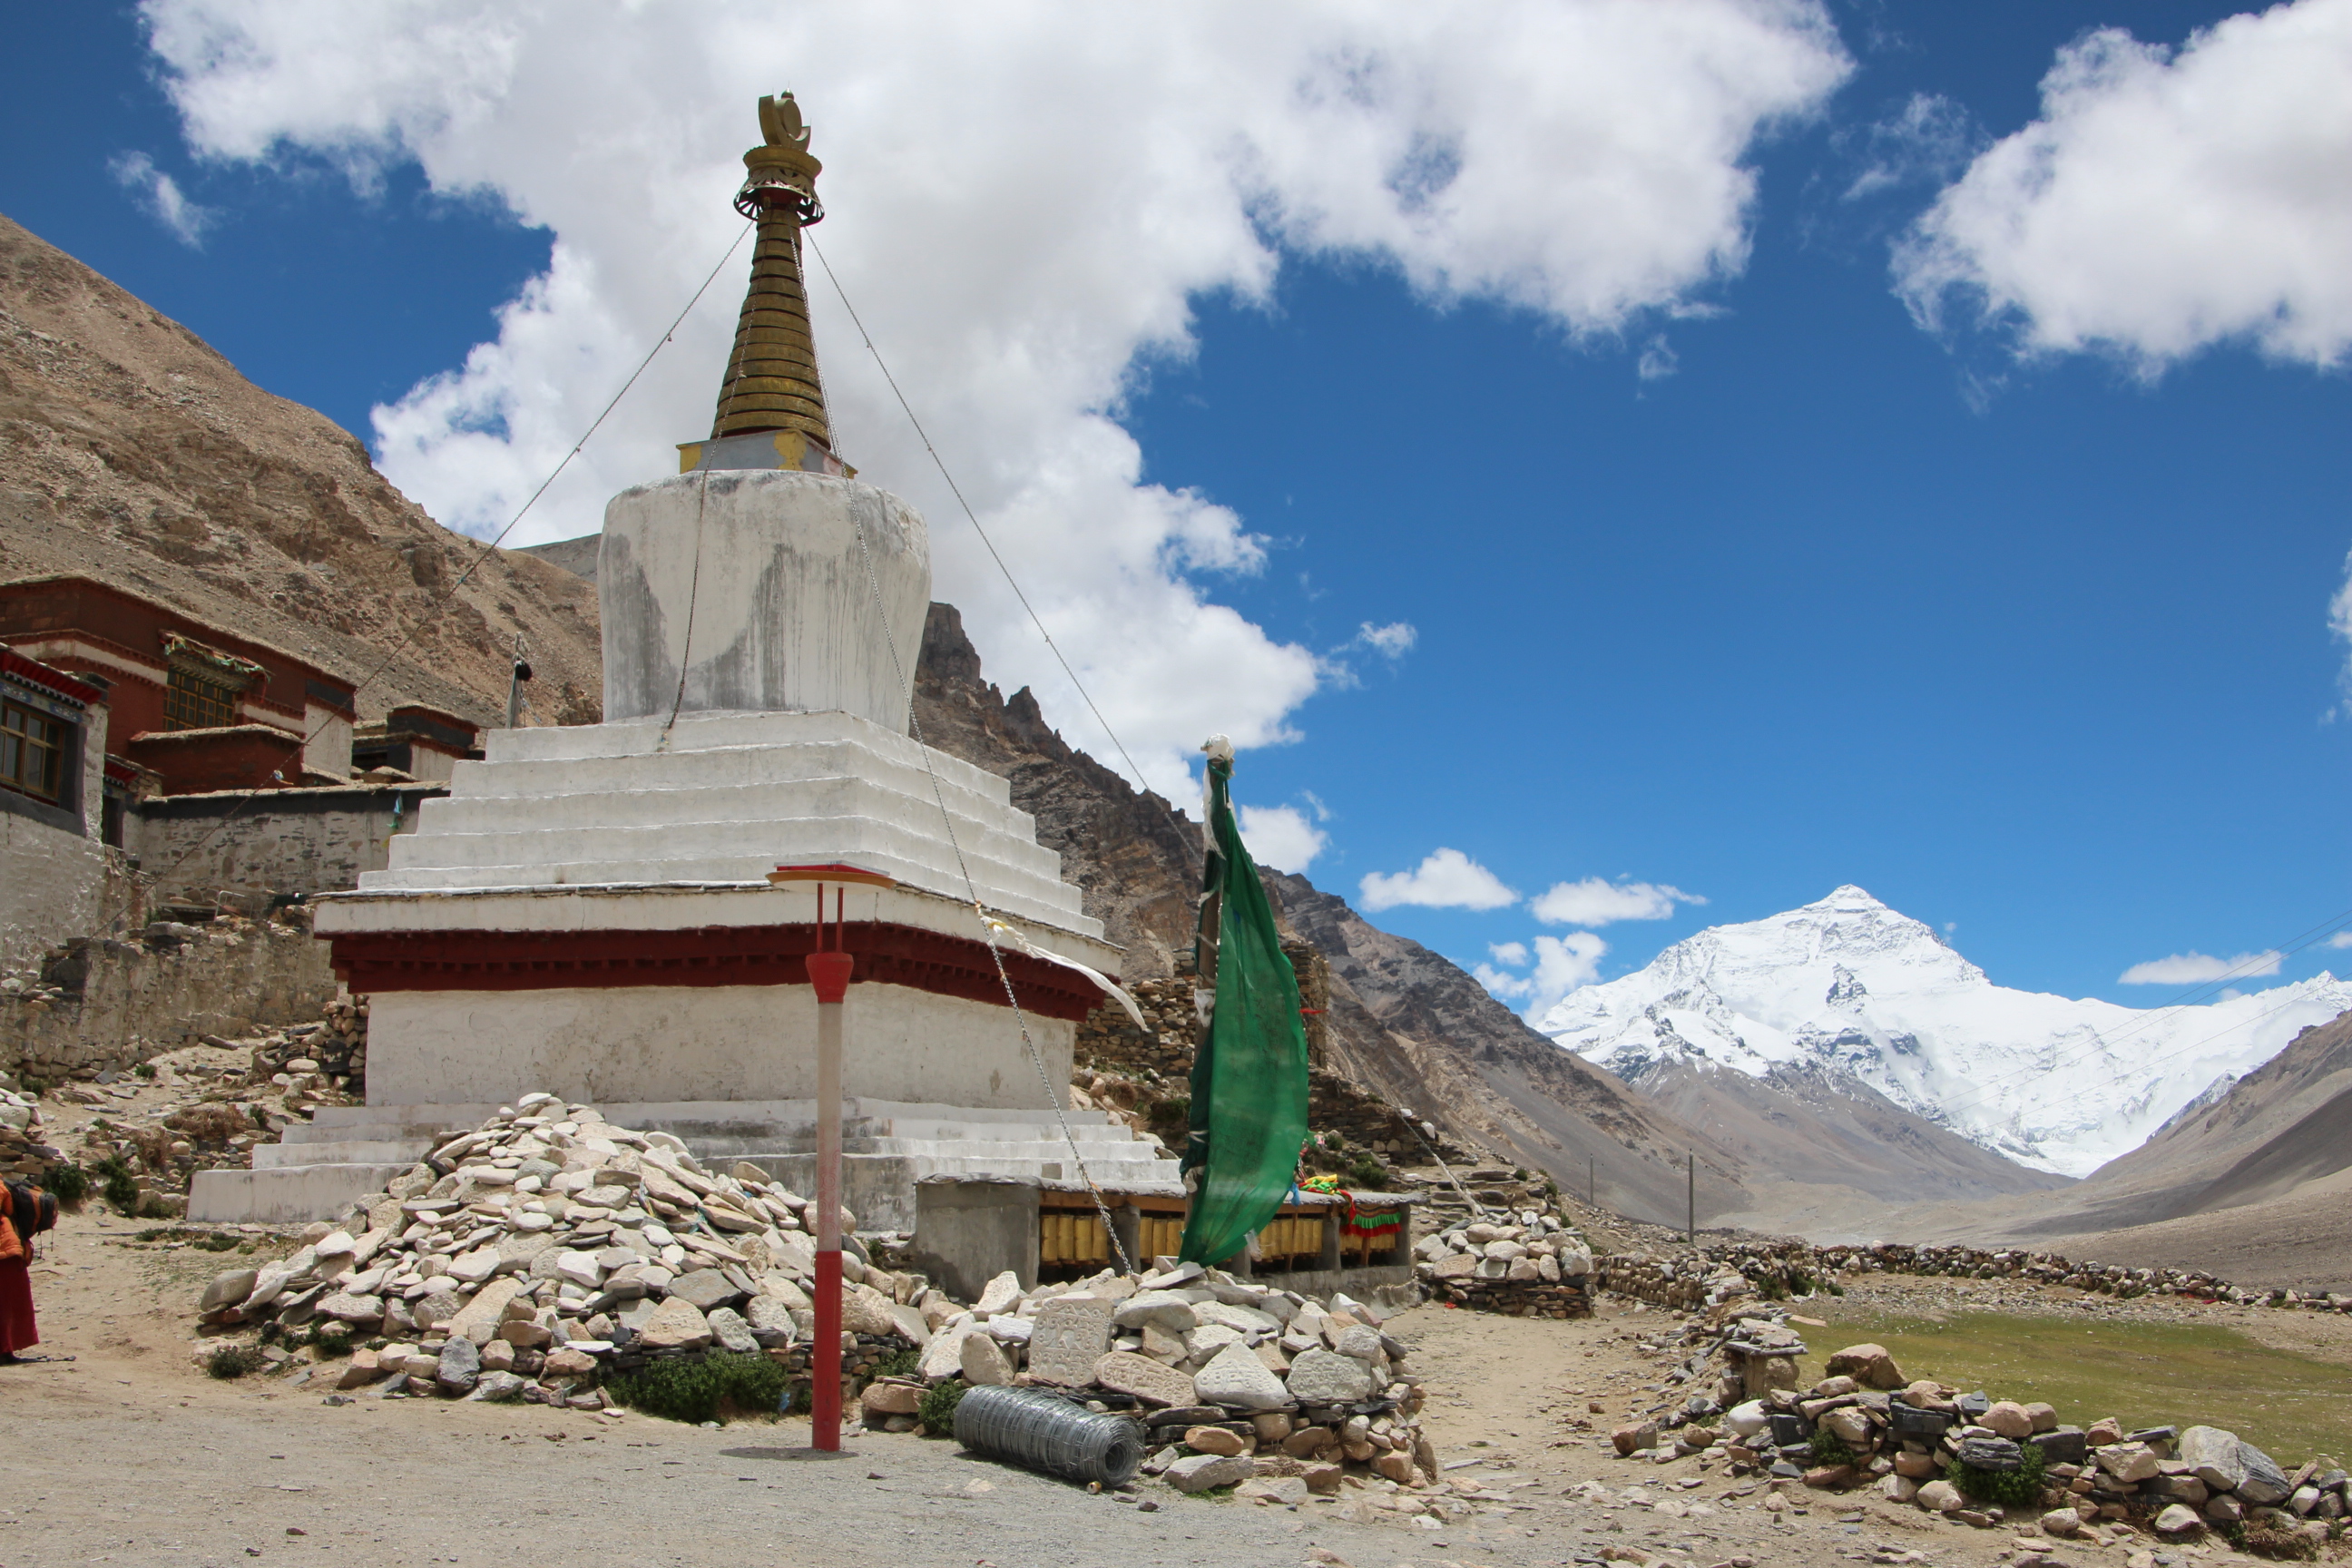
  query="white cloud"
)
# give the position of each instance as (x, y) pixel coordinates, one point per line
(2341, 938)
(1563, 964)
(1658, 360)
(160, 197)
(1447, 879)
(1593, 902)
(2196, 968)
(1281, 836)
(2165, 201)
(1391, 641)
(1024, 200)
(1510, 954)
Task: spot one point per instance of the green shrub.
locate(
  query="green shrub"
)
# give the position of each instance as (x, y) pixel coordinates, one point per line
(332, 1340)
(68, 1184)
(1770, 1289)
(144, 1070)
(233, 1361)
(1800, 1282)
(2020, 1487)
(720, 1385)
(1833, 1287)
(1830, 1450)
(900, 1364)
(936, 1411)
(117, 1185)
(1367, 1172)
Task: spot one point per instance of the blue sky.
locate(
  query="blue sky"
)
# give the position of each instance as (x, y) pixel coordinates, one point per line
(1750, 585)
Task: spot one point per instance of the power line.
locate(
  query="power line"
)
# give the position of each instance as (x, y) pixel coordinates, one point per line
(973, 517)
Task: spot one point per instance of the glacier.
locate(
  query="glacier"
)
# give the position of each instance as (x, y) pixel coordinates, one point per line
(1850, 986)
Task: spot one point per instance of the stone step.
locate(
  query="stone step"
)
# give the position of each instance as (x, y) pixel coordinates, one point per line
(404, 1152)
(756, 806)
(768, 842)
(795, 766)
(293, 1196)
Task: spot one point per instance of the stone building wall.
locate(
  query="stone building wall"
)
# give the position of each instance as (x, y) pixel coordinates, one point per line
(56, 884)
(247, 847)
(102, 1004)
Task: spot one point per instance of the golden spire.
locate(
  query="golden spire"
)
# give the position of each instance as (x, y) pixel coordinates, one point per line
(772, 378)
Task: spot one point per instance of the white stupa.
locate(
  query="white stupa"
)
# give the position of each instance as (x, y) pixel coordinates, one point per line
(588, 911)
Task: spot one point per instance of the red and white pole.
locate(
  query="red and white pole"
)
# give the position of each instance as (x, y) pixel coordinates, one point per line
(829, 973)
(828, 970)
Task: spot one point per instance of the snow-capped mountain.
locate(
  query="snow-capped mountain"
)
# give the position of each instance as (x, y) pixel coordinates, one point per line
(1851, 986)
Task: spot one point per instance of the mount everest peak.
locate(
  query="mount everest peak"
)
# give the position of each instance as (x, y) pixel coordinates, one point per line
(1847, 986)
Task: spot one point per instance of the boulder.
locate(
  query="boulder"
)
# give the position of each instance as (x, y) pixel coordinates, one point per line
(498, 1388)
(675, 1324)
(2265, 1483)
(1330, 1377)
(459, 1368)
(866, 1310)
(1235, 1379)
(1851, 1426)
(2178, 1521)
(2126, 1461)
(1997, 1453)
(1205, 1472)
(891, 1396)
(2063, 1446)
(983, 1364)
(1163, 1309)
(1941, 1497)
(2211, 1456)
(479, 1318)
(1870, 1364)
(1069, 1335)
(1215, 1440)
(705, 1288)
(1635, 1438)
(943, 1357)
(229, 1290)
(2009, 1420)
(351, 1309)
(1285, 1491)
(1001, 1294)
(728, 1331)
(1152, 1381)
(2061, 1522)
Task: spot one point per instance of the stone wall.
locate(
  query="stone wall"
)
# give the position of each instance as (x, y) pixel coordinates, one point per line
(1516, 1297)
(102, 1004)
(249, 845)
(54, 884)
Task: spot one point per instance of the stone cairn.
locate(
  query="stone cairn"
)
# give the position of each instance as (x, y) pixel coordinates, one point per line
(1531, 1264)
(26, 1155)
(333, 1051)
(538, 1255)
(1780, 1266)
(1234, 1381)
(1944, 1450)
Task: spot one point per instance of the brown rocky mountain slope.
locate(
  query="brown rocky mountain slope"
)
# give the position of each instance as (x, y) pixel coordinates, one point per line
(132, 453)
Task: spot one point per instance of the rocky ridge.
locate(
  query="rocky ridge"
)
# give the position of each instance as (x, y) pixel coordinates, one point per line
(132, 453)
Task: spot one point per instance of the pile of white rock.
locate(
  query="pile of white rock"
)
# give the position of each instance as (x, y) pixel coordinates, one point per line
(1235, 1380)
(1530, 1263)
(522, 1259)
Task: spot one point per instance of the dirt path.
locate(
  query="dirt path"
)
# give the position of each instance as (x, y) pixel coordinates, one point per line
(129, 1455)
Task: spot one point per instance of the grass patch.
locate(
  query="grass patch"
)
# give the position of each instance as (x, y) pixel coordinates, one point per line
(2020, 1489)
(68, 1184)
(1828, 1448)
(719, 1385)
(234, 1361)
(936, 1411)
(2290, 1407)
(900, 1364)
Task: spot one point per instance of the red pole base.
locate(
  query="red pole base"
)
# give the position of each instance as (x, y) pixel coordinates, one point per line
(824, 1358)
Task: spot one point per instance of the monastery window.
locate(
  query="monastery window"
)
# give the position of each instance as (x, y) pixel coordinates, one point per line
(193, 701)
(31, 751)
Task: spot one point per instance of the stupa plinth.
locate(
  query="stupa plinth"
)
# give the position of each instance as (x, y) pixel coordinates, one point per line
(588, 912)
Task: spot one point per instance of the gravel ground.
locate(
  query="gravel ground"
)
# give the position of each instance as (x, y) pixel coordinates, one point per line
(128, 1454)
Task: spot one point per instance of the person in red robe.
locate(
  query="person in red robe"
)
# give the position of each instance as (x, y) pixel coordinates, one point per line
(17, 1330)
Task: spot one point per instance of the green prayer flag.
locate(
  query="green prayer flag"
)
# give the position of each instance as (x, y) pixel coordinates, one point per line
(1249, 1078)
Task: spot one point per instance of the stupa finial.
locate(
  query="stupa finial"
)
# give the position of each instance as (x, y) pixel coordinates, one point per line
(772, 381)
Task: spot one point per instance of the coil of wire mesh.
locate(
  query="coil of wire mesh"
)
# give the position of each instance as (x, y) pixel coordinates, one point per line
(1049, 1432)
